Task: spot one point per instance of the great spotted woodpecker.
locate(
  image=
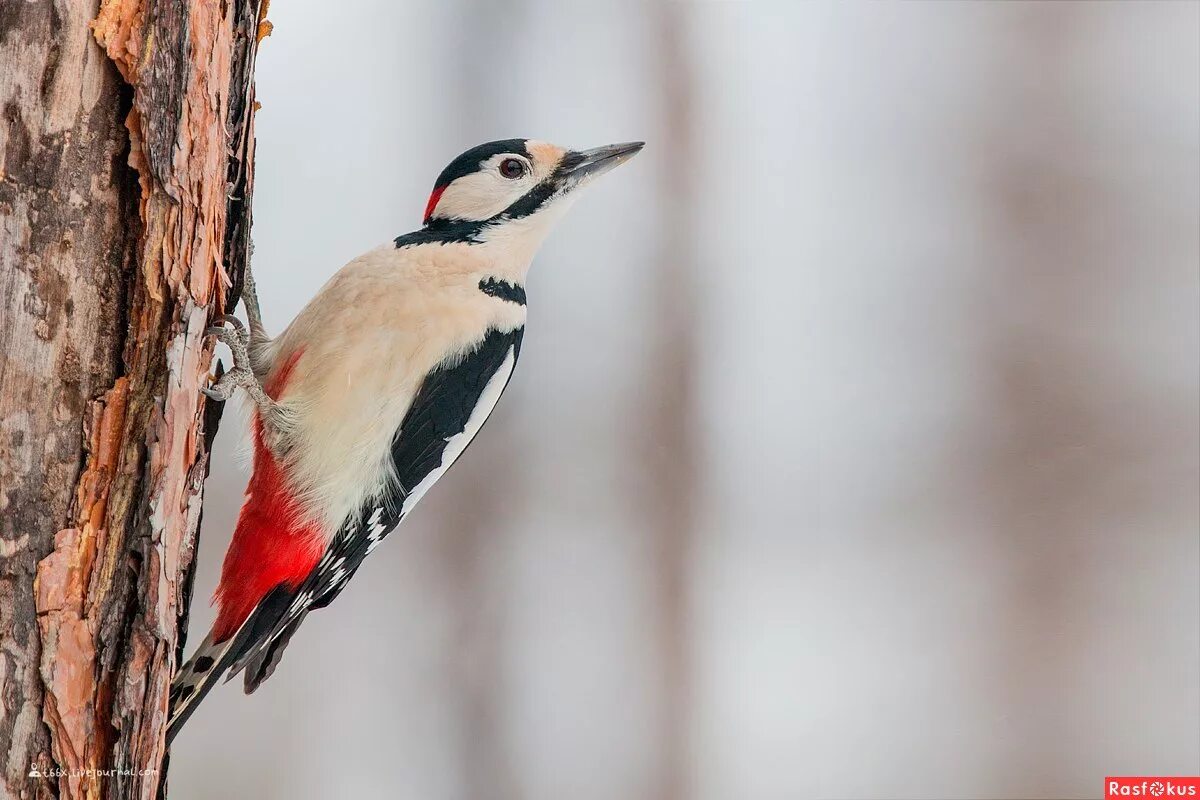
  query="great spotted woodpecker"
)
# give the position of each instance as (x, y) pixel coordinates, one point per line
(372, 392)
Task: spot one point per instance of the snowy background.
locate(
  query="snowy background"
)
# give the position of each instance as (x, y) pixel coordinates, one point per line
(855, 431)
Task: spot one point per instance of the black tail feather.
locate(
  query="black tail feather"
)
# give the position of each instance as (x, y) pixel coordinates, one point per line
(212, 660)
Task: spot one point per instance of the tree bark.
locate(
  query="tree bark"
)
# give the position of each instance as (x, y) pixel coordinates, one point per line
(126, 168)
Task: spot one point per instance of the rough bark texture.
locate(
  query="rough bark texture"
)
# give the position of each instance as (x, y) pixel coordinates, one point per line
(126, 153)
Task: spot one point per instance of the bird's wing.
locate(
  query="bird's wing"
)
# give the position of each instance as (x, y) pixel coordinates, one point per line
(454, 401)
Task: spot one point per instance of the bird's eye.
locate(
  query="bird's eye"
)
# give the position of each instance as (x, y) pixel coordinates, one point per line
(512, 168)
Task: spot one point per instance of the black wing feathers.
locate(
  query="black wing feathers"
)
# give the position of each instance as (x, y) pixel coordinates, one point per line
(443, 406)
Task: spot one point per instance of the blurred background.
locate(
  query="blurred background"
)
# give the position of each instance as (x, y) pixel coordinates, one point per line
(854, 450)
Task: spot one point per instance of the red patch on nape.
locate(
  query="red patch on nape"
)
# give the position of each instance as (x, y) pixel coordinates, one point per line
(432, 204)
(271, 544)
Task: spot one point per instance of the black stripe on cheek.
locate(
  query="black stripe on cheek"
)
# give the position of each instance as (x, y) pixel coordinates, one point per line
(511, 292)
(534, 199)
(537, 197)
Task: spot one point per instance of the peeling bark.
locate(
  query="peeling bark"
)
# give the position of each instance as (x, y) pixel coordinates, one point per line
(126, 165)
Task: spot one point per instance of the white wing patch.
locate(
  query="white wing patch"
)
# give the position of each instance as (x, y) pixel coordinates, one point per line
(376, 530)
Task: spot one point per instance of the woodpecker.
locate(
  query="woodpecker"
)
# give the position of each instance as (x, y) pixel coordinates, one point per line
(372, 392)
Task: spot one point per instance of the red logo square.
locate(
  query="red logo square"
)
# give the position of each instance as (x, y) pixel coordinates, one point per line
(1144, 786)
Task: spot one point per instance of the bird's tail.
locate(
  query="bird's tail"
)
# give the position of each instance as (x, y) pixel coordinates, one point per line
(196, 678)
(258, 642)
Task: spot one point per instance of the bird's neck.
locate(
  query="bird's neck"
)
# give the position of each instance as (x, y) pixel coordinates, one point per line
(504, 263)
(510, 246)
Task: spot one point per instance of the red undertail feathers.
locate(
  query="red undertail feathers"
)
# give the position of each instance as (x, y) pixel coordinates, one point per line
(271, 543)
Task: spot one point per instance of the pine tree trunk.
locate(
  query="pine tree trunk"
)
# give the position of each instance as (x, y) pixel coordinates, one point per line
(126, 164)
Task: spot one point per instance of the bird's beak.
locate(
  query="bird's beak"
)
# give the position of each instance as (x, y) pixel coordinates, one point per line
(585, 164)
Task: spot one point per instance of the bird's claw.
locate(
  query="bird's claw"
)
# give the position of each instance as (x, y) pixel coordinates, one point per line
(225, 385)
(235, 336)
(230, 331)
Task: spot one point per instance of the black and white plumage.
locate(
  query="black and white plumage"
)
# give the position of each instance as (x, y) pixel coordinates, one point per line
(374, 391)
(450, 409)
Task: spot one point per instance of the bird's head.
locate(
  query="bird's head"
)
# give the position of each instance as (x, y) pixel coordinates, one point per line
(513, 189)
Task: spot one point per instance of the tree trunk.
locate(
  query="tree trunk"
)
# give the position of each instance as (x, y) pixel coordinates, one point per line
(126, 164)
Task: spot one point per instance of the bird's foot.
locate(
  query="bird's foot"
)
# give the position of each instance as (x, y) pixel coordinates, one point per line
(271, 414)
(233, 333)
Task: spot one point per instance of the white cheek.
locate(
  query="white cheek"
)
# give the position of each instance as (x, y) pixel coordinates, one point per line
(479, 195)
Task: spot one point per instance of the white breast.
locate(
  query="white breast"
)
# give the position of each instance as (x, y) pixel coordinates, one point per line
(368, 339)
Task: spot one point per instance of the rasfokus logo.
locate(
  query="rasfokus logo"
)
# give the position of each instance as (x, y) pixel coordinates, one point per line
(1156, 786)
